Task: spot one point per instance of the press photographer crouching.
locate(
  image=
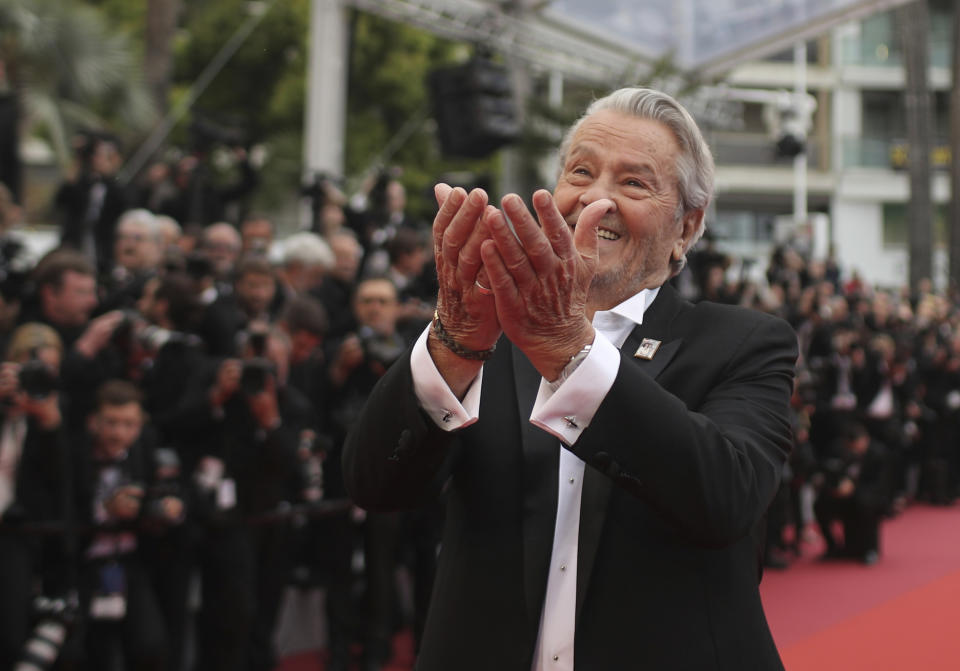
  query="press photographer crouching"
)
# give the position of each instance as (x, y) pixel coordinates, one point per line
(116, 499)
(854, 490)
(32, 471)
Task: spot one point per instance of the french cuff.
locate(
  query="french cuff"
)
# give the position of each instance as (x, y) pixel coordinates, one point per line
(566, 412)
(435, 397)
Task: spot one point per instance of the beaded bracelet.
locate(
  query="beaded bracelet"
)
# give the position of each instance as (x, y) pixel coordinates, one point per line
(457, 348)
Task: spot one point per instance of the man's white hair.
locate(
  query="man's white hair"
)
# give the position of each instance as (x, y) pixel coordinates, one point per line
(307, 249)
(143, 219)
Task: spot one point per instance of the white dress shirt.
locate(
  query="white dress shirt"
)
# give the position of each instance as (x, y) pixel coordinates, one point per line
(564, 413)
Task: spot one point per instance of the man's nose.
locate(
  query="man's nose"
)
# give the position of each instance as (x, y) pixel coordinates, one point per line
(598, 189)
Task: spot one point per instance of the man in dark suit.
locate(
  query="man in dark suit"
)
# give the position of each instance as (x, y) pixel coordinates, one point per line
(608, 467)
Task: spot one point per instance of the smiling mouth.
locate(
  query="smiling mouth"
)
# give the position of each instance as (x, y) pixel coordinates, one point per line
(602, 233)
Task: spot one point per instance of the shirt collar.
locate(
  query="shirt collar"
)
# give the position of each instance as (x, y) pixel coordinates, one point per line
(634, 307)
(617, 322)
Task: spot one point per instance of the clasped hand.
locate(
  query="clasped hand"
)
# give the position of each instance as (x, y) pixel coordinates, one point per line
(538, 274)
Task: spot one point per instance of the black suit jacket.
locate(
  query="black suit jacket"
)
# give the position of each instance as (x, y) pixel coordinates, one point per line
(683, 457)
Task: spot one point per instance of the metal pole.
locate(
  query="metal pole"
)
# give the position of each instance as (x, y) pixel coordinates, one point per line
(326, 99)
(800, 160)
(151, 144)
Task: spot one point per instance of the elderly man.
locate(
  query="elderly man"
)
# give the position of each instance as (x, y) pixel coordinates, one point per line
(607, 449)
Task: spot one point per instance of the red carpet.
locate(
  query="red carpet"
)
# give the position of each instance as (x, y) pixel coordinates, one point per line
(898, 615)
(902, 614)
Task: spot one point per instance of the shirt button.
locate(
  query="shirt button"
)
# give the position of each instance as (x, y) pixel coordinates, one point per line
(556, 657)
(447, 416)
(563, 567)
(571, 481)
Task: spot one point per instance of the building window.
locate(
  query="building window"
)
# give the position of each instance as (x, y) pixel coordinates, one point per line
(895, 225)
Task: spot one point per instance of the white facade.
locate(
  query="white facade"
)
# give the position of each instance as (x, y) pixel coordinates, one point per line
(850, 177)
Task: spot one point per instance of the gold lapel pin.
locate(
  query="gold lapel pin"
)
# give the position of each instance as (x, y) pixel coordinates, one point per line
(648, 347)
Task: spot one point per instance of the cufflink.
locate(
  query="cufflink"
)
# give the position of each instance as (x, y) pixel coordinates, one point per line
(648, 347)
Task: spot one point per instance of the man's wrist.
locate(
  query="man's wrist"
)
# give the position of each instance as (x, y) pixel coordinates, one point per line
(457, 348)
(571, 366)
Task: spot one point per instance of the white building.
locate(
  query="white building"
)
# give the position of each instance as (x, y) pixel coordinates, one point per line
(858, 189)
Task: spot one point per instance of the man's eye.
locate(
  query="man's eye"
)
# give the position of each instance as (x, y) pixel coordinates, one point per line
(636, 183)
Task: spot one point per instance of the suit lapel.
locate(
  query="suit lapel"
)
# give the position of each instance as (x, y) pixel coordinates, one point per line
(541, 467)
(596, 485)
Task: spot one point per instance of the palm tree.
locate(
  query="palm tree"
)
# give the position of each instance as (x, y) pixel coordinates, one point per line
(70, 72)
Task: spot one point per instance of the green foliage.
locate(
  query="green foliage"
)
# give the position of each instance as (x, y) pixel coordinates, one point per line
(388, 93)
(72, 70)
(245, 92)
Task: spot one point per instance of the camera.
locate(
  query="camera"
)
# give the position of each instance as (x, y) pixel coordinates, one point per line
(122, 335)
(37, 380)
(54, 618)
(379, 348)
(256, 369)
(254, 374)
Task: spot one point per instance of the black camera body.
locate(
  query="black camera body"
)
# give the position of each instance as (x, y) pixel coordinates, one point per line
(379, 348)
(37, 380)
(254, 375)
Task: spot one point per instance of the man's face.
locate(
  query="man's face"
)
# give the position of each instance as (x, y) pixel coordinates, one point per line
(256, 291)
(135, 247)
(105, 159)
(375, 305)
(222, 247)
(346, 253)
(115, 428)
(148, 305)
(71, 303)
(631, 162)
(256, 235)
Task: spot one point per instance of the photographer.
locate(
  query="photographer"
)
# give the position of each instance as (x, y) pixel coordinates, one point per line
(362, 359)
(116, 499)
(90, 202)
(247, 427)
(32, 472)
(855, 490)
(137, 254)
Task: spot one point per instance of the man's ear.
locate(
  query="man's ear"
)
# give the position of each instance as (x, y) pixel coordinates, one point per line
(46, 293)
(690, 224)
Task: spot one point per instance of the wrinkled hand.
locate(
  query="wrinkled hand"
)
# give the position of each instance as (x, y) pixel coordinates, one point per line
(541, 278)
(459, 229)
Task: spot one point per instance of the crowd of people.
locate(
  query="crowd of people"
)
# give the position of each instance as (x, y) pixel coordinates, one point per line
(173, 401)
(875, 408)
(177, 385)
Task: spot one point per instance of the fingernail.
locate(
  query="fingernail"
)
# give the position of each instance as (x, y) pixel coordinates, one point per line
(512, 201)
